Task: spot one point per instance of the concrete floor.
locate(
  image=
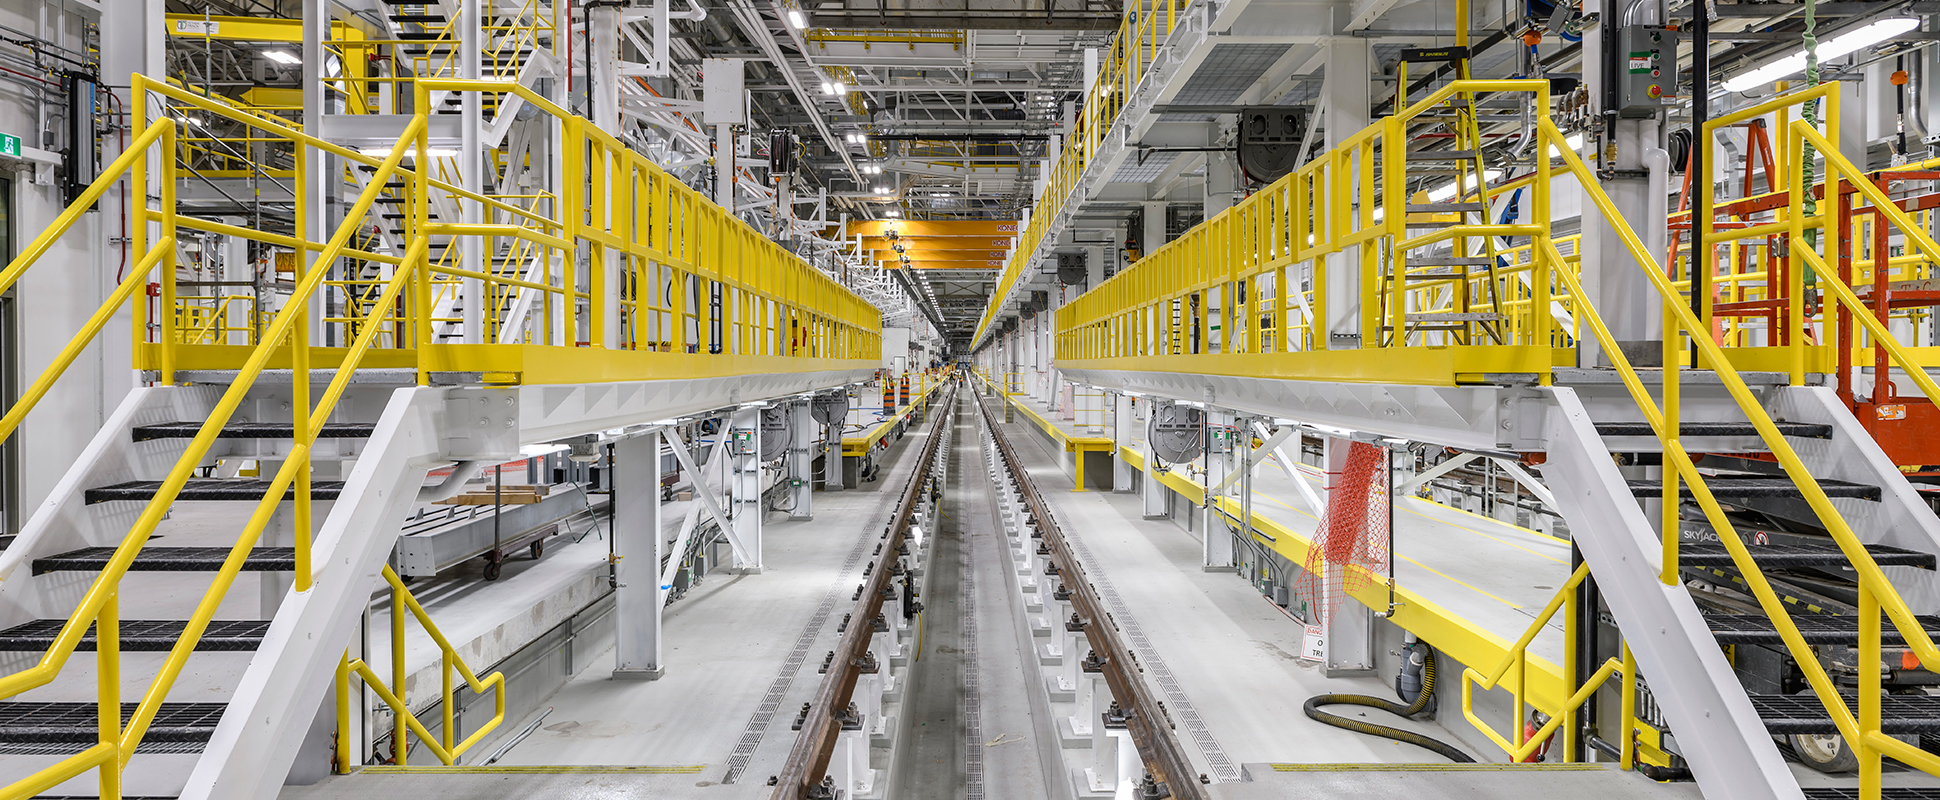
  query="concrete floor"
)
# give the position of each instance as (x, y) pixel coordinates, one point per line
(727, 643)
(1231, 651)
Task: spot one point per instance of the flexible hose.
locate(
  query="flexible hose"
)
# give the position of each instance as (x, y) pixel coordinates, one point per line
(1313, 704)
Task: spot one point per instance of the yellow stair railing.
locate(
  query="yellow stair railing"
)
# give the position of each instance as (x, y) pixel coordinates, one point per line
(787, 316)
(1167, 311)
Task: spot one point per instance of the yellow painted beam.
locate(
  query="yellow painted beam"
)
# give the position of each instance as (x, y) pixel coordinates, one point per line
(930, 251)
(923, 227)
(267, 97)
(249, 29)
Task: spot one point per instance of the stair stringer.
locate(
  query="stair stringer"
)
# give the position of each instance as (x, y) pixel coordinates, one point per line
(64, 521)
(1900, 518)
(287, 680)
(1729, 750)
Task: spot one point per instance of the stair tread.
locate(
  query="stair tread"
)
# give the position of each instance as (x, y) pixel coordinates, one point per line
(1453, 316)
(254, 430)
(1885, 793)
(208, 489)
(137, 635)
(1787, 556)
(1450, 261)
(1803, 713)
(75, 723)
(1832, 629)
(1758, 486)
(1445, 208)
(169, 559)
(1808, 430)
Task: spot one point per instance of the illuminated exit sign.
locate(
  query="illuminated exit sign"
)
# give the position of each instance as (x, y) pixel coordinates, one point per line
(9, 145)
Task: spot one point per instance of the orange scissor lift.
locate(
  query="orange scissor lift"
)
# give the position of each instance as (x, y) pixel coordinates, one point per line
(1751, 276)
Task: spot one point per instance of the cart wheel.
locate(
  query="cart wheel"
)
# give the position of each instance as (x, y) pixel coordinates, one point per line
(666, 494)
(538, 548)
(492, 567)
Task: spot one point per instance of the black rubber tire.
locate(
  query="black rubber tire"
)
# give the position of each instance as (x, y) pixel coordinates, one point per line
(538, 548)
(492, 568)
(1828, 754)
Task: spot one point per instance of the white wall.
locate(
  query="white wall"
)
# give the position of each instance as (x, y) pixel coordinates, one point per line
(66, 286)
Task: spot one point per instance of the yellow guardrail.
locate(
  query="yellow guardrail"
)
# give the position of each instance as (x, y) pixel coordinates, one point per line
(748, 303)
(405, 722)
(1248, 285)
(1146, 25)
(1146, 311)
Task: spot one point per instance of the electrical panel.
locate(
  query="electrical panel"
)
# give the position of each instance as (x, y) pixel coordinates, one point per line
(1648, 70)
(741, 442)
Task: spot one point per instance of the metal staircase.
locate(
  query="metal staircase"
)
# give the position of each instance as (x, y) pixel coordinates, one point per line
(344, 416)
(1463, 311)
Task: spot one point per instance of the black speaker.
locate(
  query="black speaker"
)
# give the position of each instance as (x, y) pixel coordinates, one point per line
(1269, 141)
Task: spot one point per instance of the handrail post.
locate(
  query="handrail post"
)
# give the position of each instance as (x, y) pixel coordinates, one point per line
(1869, 692)
(107, 645)
(343, 715)
(138, 198)
(400, 744)
(1627, 725)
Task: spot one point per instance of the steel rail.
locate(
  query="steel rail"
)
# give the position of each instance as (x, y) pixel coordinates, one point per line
(1166, 761)
(808, 761)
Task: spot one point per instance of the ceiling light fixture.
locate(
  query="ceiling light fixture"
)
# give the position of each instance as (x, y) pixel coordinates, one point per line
(282, 57)
(796, 18)
(1848, 42)
(841, 88)
(828, 88)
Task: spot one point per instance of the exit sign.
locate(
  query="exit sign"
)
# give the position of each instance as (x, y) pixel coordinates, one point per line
(9, 145)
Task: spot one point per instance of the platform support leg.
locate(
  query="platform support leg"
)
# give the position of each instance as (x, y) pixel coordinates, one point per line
(1153, 493)
(1350, 626)
(638, 594)
(1215, 538)
(744, 484)
(801, 461)
(1123, 428)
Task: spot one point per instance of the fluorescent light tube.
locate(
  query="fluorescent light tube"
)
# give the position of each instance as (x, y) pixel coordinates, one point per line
(1848, 42)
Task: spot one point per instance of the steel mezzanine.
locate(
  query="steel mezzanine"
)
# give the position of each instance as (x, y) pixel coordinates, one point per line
(1188, 309)
(727, 301)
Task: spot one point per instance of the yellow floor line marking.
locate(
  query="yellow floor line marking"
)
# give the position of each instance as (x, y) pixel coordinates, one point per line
(1437, 767)
(392, 769)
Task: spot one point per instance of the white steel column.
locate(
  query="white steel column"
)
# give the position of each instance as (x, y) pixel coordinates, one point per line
(1216, 541)
(1350, 627)
(1345, 103)
(603, 76)
(471, 166)
(801, 460)
(744, 487)
(1124, 433)
(638, 595)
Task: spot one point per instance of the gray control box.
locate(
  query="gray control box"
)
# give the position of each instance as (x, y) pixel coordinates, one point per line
(1647, 67)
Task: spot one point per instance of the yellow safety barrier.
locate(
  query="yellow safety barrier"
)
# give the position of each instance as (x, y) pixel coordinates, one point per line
(1522, 746)
(1145, 28)
(1228, 291)
(403, 720)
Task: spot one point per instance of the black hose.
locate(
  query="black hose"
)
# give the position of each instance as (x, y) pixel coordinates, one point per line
(1313, 704)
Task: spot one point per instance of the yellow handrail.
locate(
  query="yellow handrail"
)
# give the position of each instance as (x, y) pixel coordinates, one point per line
(401, 715)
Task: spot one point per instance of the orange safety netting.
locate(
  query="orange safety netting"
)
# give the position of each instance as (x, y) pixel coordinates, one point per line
(1350, 545)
